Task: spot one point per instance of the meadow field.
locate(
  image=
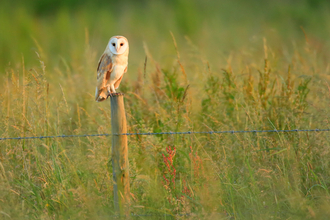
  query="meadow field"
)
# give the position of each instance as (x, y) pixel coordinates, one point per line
(193, 66)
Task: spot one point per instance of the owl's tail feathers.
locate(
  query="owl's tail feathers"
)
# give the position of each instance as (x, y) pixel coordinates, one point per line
(100, 95)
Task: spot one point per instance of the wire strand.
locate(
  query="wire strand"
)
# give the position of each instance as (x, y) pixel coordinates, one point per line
(167, 133)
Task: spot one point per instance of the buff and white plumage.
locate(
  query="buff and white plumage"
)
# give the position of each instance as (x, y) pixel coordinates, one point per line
(111, 68)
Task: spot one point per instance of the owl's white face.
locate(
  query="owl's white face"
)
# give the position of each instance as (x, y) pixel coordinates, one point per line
(118, 45)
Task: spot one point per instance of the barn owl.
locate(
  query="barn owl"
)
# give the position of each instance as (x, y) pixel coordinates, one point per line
(111, 68)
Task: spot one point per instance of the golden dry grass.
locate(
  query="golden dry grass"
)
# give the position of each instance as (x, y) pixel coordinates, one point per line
(225, 74)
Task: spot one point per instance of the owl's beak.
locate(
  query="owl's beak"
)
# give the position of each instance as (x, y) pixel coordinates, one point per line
(117, 47)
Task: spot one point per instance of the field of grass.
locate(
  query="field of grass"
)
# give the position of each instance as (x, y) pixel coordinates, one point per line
(193, 66)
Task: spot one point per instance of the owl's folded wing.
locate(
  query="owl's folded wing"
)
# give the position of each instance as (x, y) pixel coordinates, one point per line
(104, 70)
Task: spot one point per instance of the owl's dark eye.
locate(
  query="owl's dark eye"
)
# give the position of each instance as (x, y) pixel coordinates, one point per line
(113, 44)
(121, 44)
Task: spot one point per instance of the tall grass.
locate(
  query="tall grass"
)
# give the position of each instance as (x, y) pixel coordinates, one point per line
(211, 79)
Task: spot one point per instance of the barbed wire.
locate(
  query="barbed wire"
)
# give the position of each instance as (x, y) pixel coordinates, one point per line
(55, 136)
(222, 132)
(168, 133)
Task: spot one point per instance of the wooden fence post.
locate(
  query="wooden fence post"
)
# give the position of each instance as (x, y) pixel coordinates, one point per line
(119, 155)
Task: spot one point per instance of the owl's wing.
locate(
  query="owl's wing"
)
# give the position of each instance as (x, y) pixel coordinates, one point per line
(104, 70)
(116, 85)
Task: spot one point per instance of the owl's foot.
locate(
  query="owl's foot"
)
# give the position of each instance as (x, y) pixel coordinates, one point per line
(108, 90)
(112, 89)
(114, 94)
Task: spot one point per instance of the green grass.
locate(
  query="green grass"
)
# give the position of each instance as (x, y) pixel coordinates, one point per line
(210, 66)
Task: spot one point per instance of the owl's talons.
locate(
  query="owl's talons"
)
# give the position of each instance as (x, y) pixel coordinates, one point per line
(109, 91)
(114, 94)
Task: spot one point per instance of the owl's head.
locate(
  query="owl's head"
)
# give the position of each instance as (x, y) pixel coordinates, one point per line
(118, 45)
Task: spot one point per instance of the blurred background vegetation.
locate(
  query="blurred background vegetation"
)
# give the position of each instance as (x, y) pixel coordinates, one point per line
(215, 27)
(211, 65)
